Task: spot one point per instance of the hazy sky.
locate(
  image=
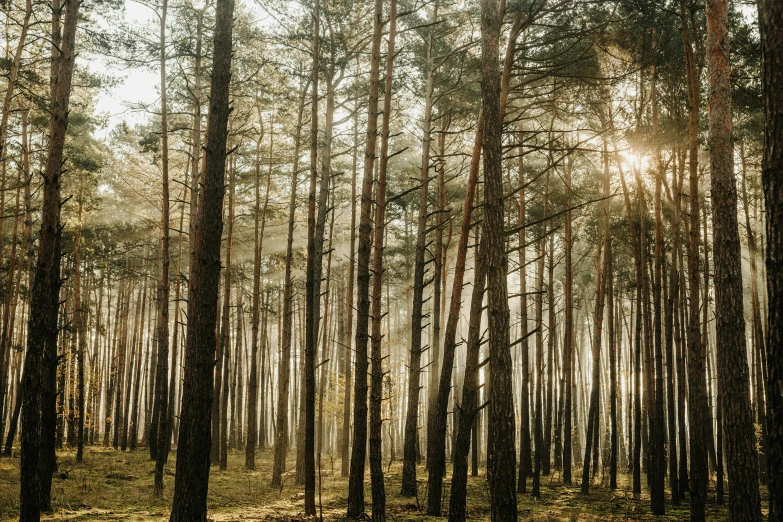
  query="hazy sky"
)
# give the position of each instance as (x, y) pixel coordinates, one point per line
(135, 86)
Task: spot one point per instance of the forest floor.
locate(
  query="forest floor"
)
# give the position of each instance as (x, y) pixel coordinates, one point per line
(111, 485)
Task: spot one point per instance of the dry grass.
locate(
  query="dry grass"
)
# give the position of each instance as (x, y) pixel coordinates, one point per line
(111, 485)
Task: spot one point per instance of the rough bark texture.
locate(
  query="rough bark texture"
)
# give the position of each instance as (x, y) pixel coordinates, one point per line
(316, 221)
(470, 392)
(771, 22)
(38, 385)
(376, 373)
(732, 363)
(697, 388)
(359, 448)
(501, 467)
(192, 478)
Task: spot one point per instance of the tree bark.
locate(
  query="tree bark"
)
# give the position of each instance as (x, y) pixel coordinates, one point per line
(771, 25)
(410, 453)
(38, 403)
(376, 373)
(359, 447)
(315, 238)
(501, 467)
(732, 362)
(159, 436)
(697, 399)
(192, 477)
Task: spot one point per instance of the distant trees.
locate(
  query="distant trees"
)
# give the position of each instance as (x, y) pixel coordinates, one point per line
(567, 175)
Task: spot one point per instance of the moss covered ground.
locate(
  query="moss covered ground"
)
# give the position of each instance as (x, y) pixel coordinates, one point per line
(111, 485)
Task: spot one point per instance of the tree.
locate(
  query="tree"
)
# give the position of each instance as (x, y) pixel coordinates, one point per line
(359, 447)
(192, 478)
(38, 387)
(771, 24)
(733, 378)
(160, 429)
(501, 468)
(697, 400)
(376, 359)
(409, 485)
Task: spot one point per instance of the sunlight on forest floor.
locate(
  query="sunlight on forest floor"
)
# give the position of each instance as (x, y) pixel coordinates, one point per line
(118, 486)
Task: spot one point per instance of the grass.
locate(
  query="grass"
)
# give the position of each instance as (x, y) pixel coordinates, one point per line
(111, 485)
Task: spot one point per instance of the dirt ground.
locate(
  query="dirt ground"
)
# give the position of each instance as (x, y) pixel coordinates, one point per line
(111, 485)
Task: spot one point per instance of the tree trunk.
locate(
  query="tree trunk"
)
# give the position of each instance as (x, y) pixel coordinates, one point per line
(669, 335)
(376, 372)
(568, 335)
(38, 404)
(732, 362)
(359, 448)
(771, 26)
(160, 417)
(410, 453)
(284, 369)
(315, 239)
(658, 456)
(81, 327)
(501, 468)
(525, 458)
(192, 477)
(345, 339)
(224, 359)
(697, 399)
(470, 391)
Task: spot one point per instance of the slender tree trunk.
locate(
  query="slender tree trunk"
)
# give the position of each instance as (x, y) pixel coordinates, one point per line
(732, 363)
(658, 456)
(501, 468)
(160, 417)
(192, 477)
(550, 351)
(410, 453)
(568, 339)
(525, 458)
(697, 399)
(612, 346)
(376, 373)
(345, 440)
(259, 226)
(284, 368)
(38, 414)
(81, 328)
(359, 448)
(470, 392)
(669, 313)
(224, 359)
(315, 239)
(539, 365)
